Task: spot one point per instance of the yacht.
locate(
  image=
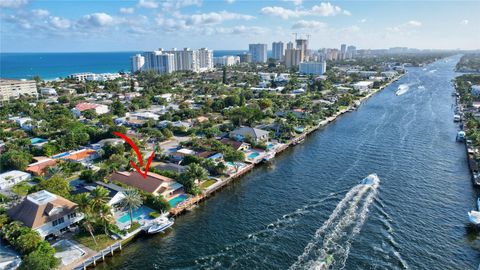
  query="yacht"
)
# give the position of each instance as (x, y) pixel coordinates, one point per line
(160, 225)
(269, 156)
(474, 217)
(370, 180)
(456, 118)
(460, 136)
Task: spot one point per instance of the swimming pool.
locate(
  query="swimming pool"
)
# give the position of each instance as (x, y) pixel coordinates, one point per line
(270, 146)
(61, 155)
(175, 201)
(142, 212)
(253, 155)
(37, 140)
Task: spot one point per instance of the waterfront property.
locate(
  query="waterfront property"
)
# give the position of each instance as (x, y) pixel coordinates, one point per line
(154, 183)
(141, 215)
(46, 213)
(10, 178)
(254, 134)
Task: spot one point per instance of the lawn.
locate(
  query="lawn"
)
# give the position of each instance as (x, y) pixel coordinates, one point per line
(207, 183)
(22, 189)
(86, 239)
(341, 108)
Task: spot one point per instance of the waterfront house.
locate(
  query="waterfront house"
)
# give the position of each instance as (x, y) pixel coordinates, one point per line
(254, 134)
(41, 165)
(11, 178)
(81, 107)
(46, 213)
(239, 146)
(154, 183)
(82, 156)
(362, 85)
(115, 193)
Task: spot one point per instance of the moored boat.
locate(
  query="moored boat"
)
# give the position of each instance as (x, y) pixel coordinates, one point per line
(456, 118)
(460, 136)
(160, 225)
(474, 217)
(269, 156)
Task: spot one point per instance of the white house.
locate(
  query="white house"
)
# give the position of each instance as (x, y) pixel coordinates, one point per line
(46, 213)
(48, 91)
(81, 107)
(10, 178)
(362, 85)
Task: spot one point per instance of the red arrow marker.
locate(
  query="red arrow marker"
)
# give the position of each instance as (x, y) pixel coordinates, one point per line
(139, 155)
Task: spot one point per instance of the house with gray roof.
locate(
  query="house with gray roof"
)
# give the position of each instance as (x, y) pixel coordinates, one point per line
(254, 134)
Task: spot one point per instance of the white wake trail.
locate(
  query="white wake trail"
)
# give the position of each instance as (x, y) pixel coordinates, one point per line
(332, 241)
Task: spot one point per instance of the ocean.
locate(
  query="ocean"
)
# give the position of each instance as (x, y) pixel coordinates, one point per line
(50, 66)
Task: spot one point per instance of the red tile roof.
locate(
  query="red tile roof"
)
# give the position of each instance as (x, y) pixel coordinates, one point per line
(150, 184)
(86, 106)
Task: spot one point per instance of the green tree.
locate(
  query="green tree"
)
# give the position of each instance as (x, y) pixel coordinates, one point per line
(15, 160)
(56, 185)
(105, 217)
(118, 108)
(132, 200)
(43, 258)
(28, 241)
(234, 156)
(99, 197)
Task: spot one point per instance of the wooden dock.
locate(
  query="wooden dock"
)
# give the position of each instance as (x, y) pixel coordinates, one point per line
(99, 257)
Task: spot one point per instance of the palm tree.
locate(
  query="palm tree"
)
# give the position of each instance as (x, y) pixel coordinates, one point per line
(105, 216)
(84, 203)
(132, 200)
(88, 222)
(99, 197)
(197, 172)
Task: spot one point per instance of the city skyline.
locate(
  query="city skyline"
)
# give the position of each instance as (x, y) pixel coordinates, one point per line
(53, 26)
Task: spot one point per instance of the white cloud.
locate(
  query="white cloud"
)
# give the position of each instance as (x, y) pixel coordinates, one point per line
(97, 19)
(40, 12)
(59, 23)
(414, 23)
(325, 9)
(178, 4)
(363, 20)
(295, 2)
(230, 1)
(147, 4)
(283, 13)
(464, 22)
(241, 29)
(127, 10)
(215, 17)
(13, 3)
(303, 24)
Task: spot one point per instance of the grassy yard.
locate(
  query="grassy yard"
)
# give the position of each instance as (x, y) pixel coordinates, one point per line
(86, 239)
(341, 108)
(207, 183)
(22, 188)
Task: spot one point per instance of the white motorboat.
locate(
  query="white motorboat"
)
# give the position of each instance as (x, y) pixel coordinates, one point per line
(268, 157)
(456, 118)
(460, 136)
(474, 217)
(370, 180)
(160, 225)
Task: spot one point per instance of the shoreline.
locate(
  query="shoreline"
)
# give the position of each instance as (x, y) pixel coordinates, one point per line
(194, 201)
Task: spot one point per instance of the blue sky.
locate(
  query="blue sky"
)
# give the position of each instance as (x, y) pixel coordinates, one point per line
(124, 25)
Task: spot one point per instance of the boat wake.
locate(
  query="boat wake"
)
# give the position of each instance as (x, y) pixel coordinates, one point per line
(402, 89)
(331, 244)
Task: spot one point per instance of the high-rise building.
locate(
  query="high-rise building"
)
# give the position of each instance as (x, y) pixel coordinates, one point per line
(289, 45)
(13, 89)
(259, 52)
(277, 50)
(315, 68)
(174, 60)
(343, 51)
(293, 57)
(302, 44)
(159, 61)
(226, 60)
(245, 57)
(138, 61)
(351, 51)
(205, 59)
